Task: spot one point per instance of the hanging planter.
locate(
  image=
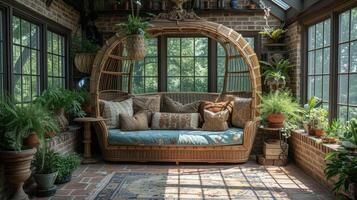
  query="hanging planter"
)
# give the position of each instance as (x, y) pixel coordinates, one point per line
(84, 62)
(135, 46)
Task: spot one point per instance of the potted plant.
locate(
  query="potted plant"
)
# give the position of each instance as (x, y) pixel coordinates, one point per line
(276, 73)
(45, 163)
(350, 135)
(317, 121)
(65, 166)
(276, 107)
(273, 35)
(83, 51)
(312, 103)
(135, 31)
(84, 99)
(342, 165)
(16, 124)
(333, 131)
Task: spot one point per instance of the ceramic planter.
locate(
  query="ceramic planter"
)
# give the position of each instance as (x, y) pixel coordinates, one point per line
(17, 170)
(45, 181)
(32, 140)
(276, 120)
(135, 47)
(64, 180)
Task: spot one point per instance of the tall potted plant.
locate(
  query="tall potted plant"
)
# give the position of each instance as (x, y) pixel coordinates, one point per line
(276, 74)
(16, 124)
(135, 31)
(83, 51)
(276, 107)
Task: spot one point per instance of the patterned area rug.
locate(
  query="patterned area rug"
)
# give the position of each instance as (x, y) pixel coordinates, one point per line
(219, 183)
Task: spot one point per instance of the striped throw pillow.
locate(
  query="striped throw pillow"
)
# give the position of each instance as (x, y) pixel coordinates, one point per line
(112, 110)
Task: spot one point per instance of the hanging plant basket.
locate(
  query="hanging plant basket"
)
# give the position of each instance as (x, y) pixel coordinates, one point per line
(135, 46)
(84, 62)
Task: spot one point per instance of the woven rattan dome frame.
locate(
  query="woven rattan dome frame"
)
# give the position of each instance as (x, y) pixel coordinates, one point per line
(190, 24)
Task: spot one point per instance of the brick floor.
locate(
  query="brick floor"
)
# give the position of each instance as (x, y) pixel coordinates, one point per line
(198, 181)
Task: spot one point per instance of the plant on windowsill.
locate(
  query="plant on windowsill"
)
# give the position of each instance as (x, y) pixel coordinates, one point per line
(66, 166)
(22, 127)
(278, 108)
(318, 122)
(333, 131)
(83, 51)
(135, 31)
(313, 102)
(349, 139)
(276, 74)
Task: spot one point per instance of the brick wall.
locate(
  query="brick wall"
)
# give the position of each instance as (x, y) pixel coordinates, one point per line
(66, 142)
(293, 44)
(59, 12)
(309, 154)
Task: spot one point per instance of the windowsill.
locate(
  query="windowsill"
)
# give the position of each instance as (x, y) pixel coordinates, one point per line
(302, 132)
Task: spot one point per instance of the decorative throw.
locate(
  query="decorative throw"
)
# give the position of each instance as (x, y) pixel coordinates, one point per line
(112, 110)
(241, 112)
(149, 104)
(216, 107)
(178, 121)
(215, 121)
(138, 122)
(172, 106)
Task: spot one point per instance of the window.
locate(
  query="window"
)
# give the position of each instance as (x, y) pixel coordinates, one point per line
(347, 65)
(26, 60)
(318, 56)
(145, 76)
(187, 61)
(1, 54)
(221, 60)
(56, 59)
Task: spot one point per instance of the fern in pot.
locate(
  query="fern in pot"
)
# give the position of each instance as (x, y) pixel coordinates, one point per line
(66, 166)
(276, 74)
(135, 31)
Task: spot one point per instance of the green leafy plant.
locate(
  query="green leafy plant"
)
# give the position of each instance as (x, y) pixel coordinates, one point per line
(335, 129)
(343, 165)
(82, 45)
(350, 133)
(278, 70)
(280, 102)
(272, 34)
(18, 121)
(66, 165)
(46, 161)
(318, 118)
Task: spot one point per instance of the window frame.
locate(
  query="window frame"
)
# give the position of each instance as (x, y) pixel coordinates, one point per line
(10, 9)
(306, 22)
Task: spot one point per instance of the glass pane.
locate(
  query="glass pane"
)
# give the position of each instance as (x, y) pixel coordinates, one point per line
(16, 59)
(352, 112)
(221, 65)
(353, 57)
(319, 34)
(187, 84)
(34, 62)
(353, 89)
(354, 23)
(49, 42)
(173, 68)
(187, 67)
(318, 86)
(327, 32)
(220, 84)
(173, 46)
(35, 36)
(311, 87)
(16, 30)
(342, 113)
(151, 67)
(311, 38)
(201, 67)
(201, 84)
(220, 50)
(311, 63)
(26, 62)
(326, 61)
(326, 88)
(151, 45)
(17, 88)
(343, 58)
(187, 46)
(49, 65)
(25, 33)
(151, 85)
(55, 44)
(318, 62)
(26, 88)
(173, 84)
(138, 85)
(55, 67)
(201, 46)
(139, 68)
(344, 28)
(342, 91)
(250, 40)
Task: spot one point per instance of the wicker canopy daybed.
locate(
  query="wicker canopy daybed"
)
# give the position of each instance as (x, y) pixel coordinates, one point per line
(111, 80)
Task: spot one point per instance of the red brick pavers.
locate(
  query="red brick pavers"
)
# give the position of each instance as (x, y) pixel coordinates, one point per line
(205, 181)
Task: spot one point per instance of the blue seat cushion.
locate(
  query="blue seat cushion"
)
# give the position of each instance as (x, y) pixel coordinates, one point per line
(232, 136)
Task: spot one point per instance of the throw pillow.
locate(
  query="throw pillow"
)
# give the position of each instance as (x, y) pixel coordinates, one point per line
(216, 107)
(172, 106)
(149, 104)
(112, 110)
(215, 121)
(137, 122)
(178, 121)
(241, 112)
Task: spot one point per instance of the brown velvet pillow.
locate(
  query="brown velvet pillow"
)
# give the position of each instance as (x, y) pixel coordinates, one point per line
(172, 106)
(215, 121)
(241, 112)
(216, 107)
(149, 104)
(137, 122)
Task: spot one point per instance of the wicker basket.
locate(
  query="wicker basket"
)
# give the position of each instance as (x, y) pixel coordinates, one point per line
(84, 62)
(135, 47)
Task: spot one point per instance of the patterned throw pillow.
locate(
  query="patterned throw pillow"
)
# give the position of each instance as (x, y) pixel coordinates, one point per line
(172, 106)
(215, 121)
(216, 107)
(138, 122)
(241, 112)
(149, 104)
(177, 121)
(112, 110)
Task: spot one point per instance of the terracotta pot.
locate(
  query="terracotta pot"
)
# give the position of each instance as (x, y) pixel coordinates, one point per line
(276, 120)
(319, 132)
(62, 120)
(135, 47)
(311, 131)
(330, 140)
(50, 134)
(17, 170)
(84, 62)
(32, 140)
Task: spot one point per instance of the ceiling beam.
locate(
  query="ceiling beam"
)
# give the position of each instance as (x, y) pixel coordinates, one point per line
(295, 4)
(275, 9)
(309, 3)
